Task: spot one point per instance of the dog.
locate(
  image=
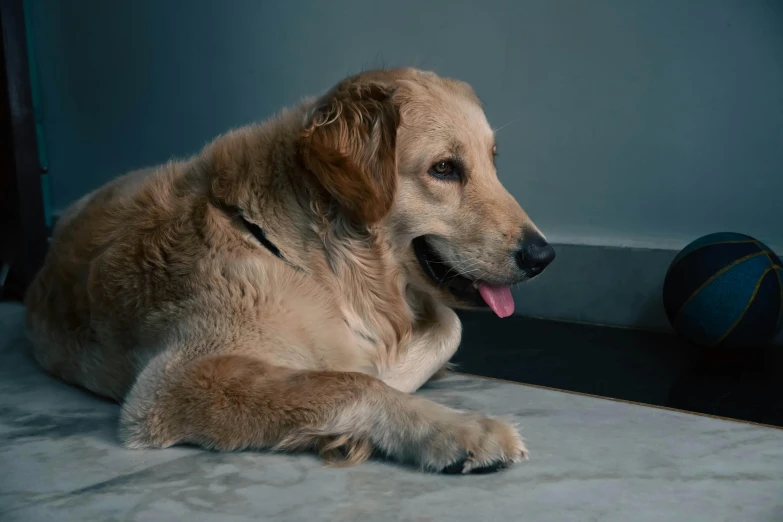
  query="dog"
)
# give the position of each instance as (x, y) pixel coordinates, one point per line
(291, 285)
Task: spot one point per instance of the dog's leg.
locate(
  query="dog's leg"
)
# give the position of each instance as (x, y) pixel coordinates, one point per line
(434, 342)
(232, 402)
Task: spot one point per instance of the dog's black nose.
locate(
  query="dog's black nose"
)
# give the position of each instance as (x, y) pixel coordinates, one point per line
(535, 254)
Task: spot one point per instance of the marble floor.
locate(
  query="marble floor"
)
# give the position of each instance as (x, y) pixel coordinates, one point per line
(591, 459)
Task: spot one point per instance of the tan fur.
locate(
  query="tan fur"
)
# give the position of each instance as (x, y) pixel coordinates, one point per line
(156, 295)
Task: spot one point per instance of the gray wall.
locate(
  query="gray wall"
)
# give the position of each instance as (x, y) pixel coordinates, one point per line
(644, 122)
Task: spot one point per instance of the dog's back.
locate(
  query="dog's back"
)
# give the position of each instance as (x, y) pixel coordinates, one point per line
(85, 305)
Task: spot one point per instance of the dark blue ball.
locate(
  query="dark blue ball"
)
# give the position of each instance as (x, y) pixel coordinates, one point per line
(725, 289)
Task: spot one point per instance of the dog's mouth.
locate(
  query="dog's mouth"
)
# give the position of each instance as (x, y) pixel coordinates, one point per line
(461, 286)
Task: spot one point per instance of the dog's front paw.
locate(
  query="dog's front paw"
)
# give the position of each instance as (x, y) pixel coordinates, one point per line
(478, 444)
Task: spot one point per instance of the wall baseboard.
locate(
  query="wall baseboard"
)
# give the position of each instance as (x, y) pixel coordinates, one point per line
(605, 285)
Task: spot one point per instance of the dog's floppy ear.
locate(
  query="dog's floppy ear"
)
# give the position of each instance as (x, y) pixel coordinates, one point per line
(348, 143)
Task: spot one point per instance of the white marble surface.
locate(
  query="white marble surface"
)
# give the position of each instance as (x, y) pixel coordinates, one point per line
(591, 460)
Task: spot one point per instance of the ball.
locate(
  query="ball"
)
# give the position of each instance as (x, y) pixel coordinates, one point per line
(725, 290)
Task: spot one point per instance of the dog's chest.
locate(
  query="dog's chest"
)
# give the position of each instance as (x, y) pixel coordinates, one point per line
(374, 325)
(364, 333)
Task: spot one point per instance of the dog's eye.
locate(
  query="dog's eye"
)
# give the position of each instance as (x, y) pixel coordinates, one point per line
(445, 170)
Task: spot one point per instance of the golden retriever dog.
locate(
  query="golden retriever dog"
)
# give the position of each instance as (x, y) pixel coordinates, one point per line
(290, 286)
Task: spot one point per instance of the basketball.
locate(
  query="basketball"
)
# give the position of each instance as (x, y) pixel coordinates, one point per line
(725, 289)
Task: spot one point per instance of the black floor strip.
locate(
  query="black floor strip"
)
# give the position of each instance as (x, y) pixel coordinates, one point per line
(651, 368)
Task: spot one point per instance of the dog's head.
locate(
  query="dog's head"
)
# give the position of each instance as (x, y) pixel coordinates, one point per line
(414, 153)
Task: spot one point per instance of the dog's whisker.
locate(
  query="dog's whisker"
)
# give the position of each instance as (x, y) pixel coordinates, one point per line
(463, 269)
(503, 127)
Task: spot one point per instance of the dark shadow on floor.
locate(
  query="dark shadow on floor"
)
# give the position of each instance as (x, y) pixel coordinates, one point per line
(651, 368)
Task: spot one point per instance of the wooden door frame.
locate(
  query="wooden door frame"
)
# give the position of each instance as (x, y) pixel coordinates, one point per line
(23, 225)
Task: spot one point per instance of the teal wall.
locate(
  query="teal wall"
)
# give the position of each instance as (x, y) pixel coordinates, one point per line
(624, 121)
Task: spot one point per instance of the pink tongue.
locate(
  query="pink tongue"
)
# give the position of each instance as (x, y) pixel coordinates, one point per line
(498, 298)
